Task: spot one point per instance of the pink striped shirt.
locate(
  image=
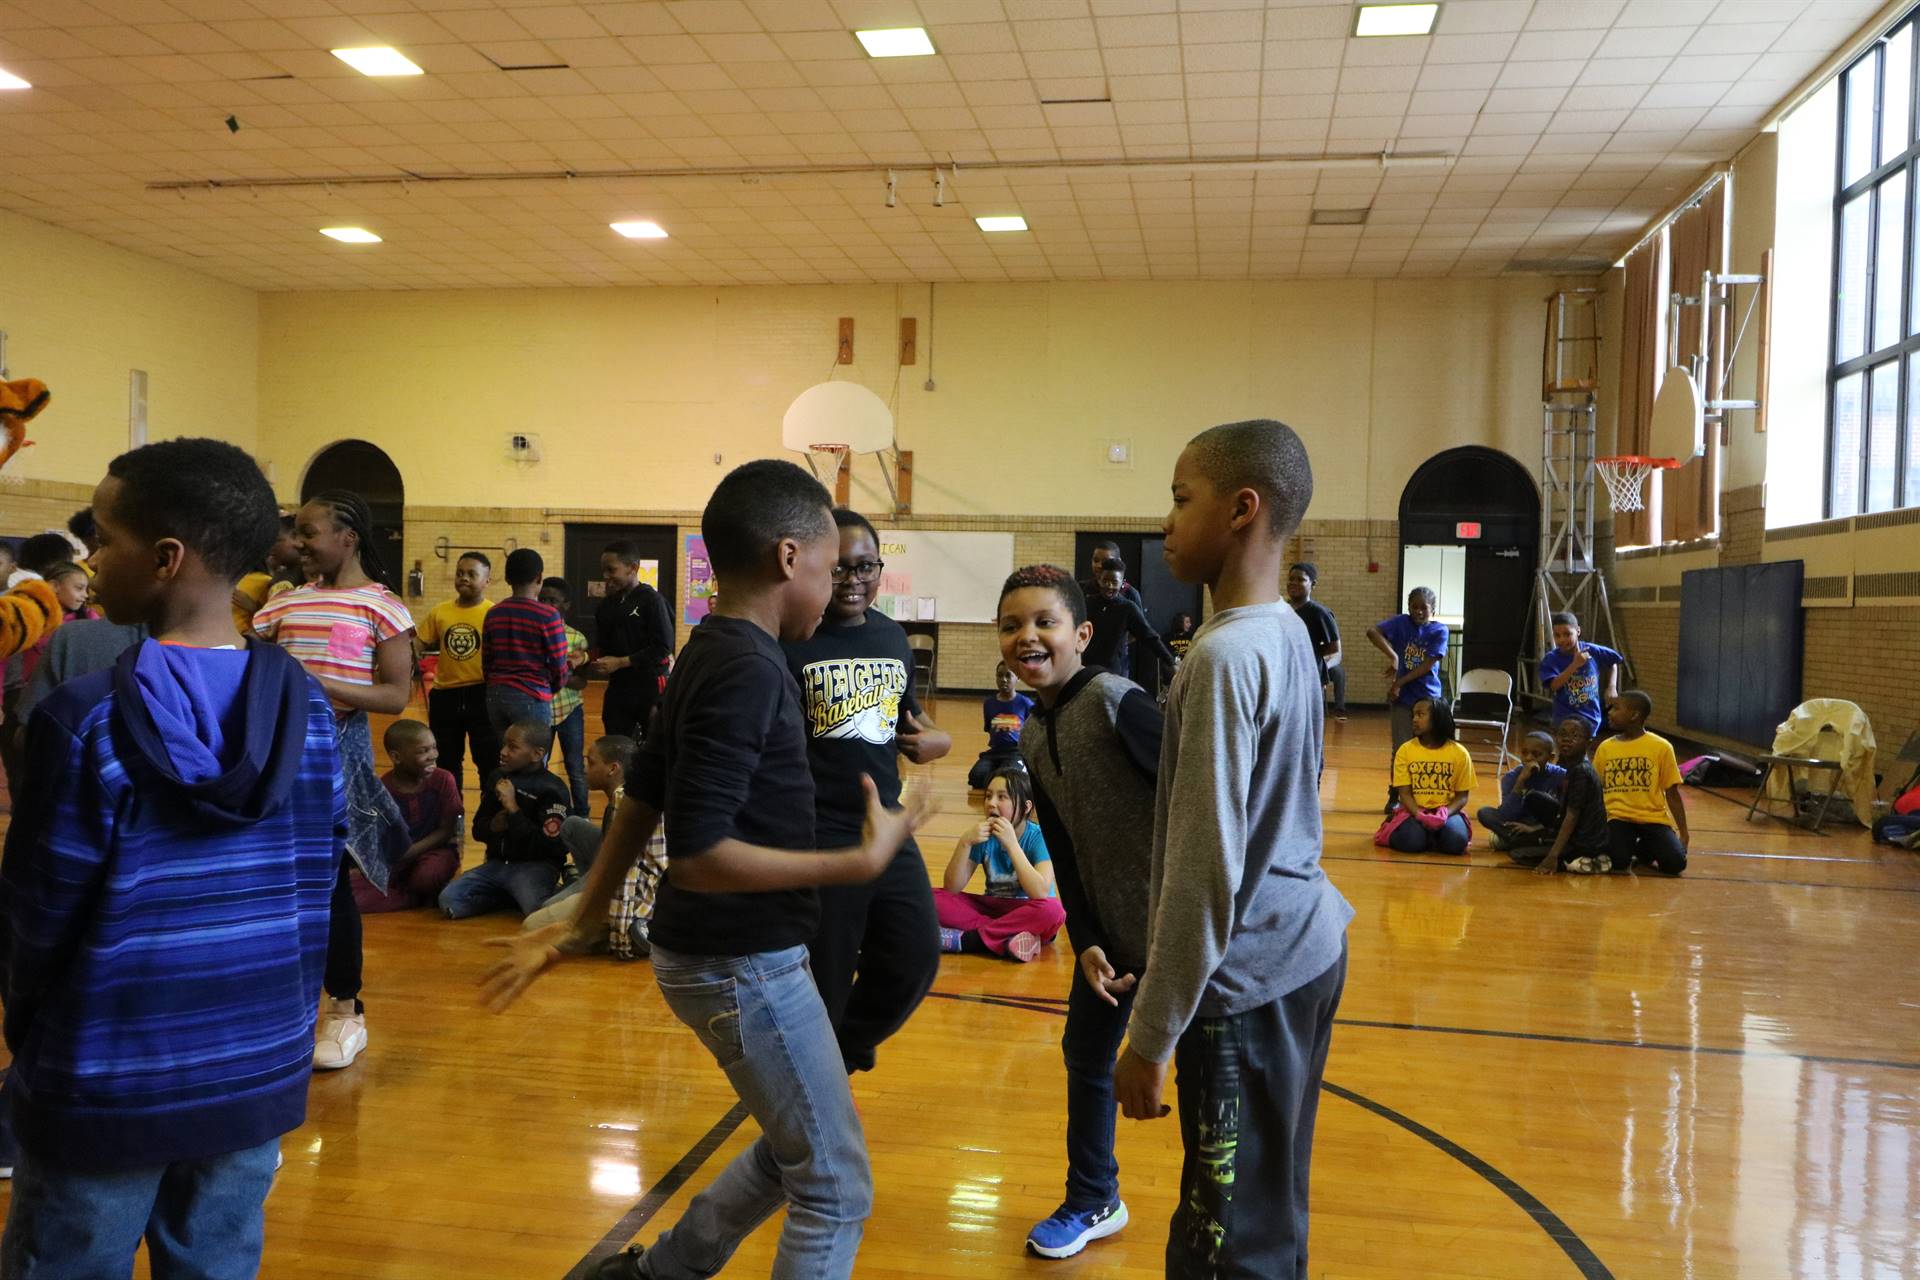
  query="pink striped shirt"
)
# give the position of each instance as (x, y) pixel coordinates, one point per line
(334, 632)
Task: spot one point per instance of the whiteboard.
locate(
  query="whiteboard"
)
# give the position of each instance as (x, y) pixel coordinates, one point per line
(943, 577)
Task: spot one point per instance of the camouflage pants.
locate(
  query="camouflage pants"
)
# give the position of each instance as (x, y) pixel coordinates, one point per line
(1249, 1089)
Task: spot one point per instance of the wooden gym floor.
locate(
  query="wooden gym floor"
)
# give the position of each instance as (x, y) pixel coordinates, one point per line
(1709, 1077)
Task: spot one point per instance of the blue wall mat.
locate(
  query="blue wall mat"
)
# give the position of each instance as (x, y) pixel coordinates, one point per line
(1742, 632)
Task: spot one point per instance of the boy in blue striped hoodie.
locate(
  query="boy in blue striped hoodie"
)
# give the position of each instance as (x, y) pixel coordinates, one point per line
(164, 898)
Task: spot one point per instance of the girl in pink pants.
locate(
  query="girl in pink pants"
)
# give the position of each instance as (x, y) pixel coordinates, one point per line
(1018, 914)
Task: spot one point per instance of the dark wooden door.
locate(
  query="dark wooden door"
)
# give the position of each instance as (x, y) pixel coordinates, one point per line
(1499, 588)
(585, 542)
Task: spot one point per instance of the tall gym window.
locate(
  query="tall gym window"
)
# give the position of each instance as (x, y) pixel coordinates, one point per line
(1873, 376)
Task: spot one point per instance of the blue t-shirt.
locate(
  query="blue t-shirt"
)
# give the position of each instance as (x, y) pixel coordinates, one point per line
(1001, 880)
(1581, 695)
(1547, 780)
(1415, 643)
(1003, 721)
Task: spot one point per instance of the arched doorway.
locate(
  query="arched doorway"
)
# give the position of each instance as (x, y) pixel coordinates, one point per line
(1470, 529)
(368, 471)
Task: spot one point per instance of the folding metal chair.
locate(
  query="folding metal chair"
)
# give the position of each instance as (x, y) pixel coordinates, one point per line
(926, 654)
(1486, 704)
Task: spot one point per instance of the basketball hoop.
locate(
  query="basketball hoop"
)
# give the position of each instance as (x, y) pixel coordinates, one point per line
(838, 452)
(1626, 475)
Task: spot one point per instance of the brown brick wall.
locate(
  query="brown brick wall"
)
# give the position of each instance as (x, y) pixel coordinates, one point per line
(1850, 653)
(1652, 634)
(28, 507)
(1743, 525)
(967, 651)
(1865, 655)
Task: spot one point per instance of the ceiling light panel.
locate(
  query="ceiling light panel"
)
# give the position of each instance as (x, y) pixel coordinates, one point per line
(1395, 19)
(380, 61)
(350, 235)
(1002, 222)
(896, 42)
(640, 230)
(8, 80)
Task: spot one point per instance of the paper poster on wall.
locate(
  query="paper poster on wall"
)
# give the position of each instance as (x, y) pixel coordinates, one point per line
(699, 580)
(935, 575)
(650, 573)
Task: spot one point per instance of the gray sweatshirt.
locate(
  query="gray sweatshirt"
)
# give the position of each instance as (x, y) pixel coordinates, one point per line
(1239, 912)
(1092, 758)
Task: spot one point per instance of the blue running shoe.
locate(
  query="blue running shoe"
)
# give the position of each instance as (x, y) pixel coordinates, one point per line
(1068, 1232)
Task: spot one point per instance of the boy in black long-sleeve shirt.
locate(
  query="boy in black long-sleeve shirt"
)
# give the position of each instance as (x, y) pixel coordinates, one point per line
(632, 643)
(519, 819)
(728, 771)
(1115, 618)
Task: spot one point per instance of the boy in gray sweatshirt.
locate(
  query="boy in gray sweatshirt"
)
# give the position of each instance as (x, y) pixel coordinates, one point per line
(1246, 939)
(1092, 751)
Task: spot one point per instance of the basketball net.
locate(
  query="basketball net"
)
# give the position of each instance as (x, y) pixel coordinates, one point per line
(1626, 478)
(835, 451)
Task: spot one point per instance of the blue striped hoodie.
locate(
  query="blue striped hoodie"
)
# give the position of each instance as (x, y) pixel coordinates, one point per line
(163, 906)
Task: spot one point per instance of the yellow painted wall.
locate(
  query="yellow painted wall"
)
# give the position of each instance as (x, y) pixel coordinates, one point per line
(80, 315)
(635, 392)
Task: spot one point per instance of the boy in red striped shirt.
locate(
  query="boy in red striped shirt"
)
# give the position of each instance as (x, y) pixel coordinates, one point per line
(523, 646)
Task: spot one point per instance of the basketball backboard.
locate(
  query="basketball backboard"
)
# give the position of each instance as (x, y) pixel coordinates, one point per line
(843, 414)
(1678, 428)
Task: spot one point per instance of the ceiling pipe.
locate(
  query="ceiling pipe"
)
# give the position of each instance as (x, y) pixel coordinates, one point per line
(1357, 162)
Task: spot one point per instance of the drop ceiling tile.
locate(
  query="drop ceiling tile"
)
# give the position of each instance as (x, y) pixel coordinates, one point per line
(1471, 75)
(1293, 54)
(1603, 97)
(1623, 71)
(1474, 48)
(1505, 100)
(1221, 57)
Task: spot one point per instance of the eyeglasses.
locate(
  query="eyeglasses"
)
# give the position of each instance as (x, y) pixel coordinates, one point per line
(865, 571)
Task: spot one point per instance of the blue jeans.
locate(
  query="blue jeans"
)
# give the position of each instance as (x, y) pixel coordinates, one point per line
(1090, 1044)
(571, 734)
(202, 1219)
(508, 706)
(495, 886)
(1412, 836)
(761, 1018)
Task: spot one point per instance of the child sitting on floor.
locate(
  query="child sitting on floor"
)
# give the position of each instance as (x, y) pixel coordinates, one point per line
(1529, 796)
(1003, 716)
(521, 813)
(1432, 774)
(609, 762)
(429, 800)
(1019, 913)
(1581, 835)
(1646, 819)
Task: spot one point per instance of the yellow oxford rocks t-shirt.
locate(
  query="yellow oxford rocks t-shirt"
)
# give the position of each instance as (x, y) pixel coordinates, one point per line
(1436, 774)
(455, 629)
(1635, 776)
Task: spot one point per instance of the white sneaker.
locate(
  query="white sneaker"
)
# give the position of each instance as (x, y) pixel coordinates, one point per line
(342, 1036)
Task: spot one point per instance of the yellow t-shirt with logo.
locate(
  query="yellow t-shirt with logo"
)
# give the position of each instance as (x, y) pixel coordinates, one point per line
(455, 629)
(1635, 776)
(1436, 774)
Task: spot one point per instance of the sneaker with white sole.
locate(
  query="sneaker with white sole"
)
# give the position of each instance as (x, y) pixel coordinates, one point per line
(1023, 946)
(1069, 1231)
(341, 1037)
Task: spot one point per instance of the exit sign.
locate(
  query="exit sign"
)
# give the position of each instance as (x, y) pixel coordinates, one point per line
(1467, 530)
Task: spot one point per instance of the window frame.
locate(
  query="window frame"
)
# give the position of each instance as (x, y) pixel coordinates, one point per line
(1907, 344)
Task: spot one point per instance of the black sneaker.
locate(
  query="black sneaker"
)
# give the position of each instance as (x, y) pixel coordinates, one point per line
(628, 1264)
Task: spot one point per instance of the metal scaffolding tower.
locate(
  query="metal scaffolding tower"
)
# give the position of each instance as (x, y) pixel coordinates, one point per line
(1567, 577)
